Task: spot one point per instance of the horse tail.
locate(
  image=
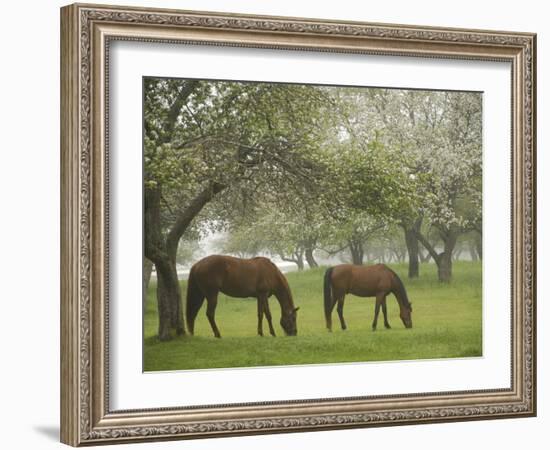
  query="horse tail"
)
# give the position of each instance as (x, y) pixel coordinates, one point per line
(195, 299)
(328, 295)
(400, 290)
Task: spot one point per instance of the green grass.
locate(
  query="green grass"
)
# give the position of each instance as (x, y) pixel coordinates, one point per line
(447, 323)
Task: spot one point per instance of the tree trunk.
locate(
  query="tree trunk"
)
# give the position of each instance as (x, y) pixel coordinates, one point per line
(162, 251)
(472, 250)
(412, 248)
(297, 258)
(457, 253)
(411, 240)
(445, 267)
(357, 252)
(168, 295)
(443, 260)
(169, 301)
(147, 269)
(424, 258)
(402, 257)
(479, 245)
(310, 259)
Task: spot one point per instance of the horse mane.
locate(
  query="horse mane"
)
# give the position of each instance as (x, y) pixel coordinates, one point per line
(268, 261)
(403, 297)
(280, 276)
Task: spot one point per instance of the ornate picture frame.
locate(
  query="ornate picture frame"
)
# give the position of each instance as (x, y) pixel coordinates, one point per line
(86, 34)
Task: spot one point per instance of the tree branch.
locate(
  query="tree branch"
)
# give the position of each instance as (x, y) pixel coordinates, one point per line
(153, 245)
(175, 109)
(334, 252)
(293, 169)
(287, 259)
(427, 245)
(186, 216)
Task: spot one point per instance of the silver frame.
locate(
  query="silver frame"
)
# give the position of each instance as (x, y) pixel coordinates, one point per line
(86, 31)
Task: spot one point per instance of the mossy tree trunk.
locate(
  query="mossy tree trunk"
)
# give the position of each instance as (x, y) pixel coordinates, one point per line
(413, 250)
(443, 260)
(161, 248)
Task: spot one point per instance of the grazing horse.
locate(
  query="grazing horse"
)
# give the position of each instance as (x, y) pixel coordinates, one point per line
(256, 277)
(364, 281)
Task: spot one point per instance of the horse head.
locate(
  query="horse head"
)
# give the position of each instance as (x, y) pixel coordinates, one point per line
(288, 322)
(406, 316)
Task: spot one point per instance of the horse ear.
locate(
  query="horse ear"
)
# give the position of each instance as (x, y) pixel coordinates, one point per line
(296, 309)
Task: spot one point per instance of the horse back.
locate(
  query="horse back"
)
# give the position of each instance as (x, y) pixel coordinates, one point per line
(209, 273)
(236, 277)
(363, 281)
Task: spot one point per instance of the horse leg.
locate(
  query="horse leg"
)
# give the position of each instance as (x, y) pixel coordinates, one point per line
(260, 316)
(212, 301)
(268, 315)
(329, 315)
(379, 301)
(385, 312)
(340, 309)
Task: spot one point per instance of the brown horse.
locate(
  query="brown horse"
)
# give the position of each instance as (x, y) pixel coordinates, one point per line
(257, 277)
(364, 281)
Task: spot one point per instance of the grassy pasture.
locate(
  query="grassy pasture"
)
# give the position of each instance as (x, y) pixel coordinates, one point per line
(447, 323)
